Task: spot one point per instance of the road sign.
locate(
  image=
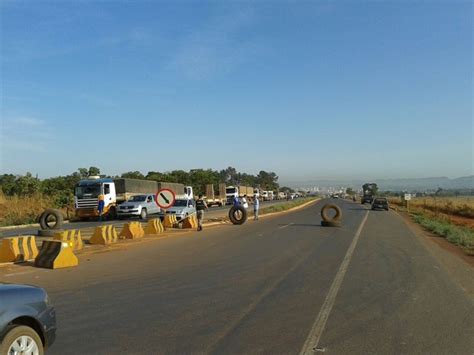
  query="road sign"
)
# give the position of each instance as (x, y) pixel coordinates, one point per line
(407, 197)
(165, 198)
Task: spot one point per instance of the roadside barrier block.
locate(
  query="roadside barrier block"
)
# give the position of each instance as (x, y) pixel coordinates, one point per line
(16, 249)
(190, 222)
(55, 254)
(104, 235)
(154, 226)
(132, 230)
(72, 237)
(170, 221)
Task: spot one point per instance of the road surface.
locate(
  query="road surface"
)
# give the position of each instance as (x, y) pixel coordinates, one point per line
(282, 285)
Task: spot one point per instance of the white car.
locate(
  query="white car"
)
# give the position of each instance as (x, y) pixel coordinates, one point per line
(139, 206)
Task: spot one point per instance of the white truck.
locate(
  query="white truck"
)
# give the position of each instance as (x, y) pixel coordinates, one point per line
(215, 200)
(239, 191)
(116, 191)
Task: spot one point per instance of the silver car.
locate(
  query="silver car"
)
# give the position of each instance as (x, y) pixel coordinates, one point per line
(181, 208)
(139, 206)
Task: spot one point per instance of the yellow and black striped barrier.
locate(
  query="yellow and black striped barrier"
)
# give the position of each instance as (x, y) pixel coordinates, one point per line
(72, 237)
(154, 226)
(55, 254)
(190, 222)
(132, 230)
(16, 249)
(104, 235)
(170, 221)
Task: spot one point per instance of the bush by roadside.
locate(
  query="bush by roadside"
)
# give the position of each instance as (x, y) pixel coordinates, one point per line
(460, 236)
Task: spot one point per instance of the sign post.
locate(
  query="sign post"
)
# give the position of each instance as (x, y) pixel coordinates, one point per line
(165, 198)
(407, 198)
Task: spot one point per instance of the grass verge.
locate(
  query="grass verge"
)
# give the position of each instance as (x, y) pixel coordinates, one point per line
(460, 236)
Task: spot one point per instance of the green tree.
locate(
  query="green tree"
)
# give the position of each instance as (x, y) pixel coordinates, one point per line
(349, 191)
(94, 171)
(133, 175)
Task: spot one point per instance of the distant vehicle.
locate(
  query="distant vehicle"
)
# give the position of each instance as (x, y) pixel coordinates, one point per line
(27, 320)
(334, 196)
(271, 195)
(369, 190)
(116, 191)
(181, 208)
(215, 200)
(238, 191)
(380, 203)
(281, 195)
(138, 206)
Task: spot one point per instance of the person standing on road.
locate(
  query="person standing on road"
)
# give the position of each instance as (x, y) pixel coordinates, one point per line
(256, 207)
(201, 205)
(100, 207)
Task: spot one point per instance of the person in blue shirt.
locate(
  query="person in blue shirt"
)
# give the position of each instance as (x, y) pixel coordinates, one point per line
(236, 200)
(100, 207)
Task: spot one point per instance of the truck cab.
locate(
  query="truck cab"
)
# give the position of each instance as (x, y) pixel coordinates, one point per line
(86, 197)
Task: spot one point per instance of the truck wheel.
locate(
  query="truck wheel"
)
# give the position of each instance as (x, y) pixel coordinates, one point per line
(51, 219)
(143, 213)
(21, 340)
(238, 214)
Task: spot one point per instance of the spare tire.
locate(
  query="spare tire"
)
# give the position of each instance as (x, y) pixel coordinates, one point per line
(48, 217)
(238, 214)
(326, 208)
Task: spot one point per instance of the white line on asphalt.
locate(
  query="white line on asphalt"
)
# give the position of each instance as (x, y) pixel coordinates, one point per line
(312, 342)
(286, 225)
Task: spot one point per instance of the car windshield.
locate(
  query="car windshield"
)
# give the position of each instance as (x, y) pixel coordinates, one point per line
(139, 198)
(230, 190)
(180, 203)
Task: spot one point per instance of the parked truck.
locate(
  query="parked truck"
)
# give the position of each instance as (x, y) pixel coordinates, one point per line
(213, 199)
(116, 191)
(239, 191)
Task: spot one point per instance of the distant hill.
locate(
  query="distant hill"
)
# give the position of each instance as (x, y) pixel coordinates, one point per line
(421, 184)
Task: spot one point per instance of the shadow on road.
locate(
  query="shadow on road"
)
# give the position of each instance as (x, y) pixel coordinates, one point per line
(302, 225)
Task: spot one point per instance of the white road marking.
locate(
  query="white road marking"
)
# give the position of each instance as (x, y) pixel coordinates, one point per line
(286, 225)
(312, 341)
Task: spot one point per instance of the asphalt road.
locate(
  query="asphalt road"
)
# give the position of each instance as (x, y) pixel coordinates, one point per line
(212, 213)
(276, 286)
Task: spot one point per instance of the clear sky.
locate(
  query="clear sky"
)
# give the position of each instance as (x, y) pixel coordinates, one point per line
(338, 89)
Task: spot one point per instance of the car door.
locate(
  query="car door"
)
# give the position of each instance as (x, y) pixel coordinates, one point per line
(152, 207)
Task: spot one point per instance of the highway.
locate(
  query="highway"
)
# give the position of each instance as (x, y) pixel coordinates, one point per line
(212, 214)
(281, 285)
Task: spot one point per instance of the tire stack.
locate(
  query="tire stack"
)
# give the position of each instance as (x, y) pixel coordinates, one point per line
(50, 221)
(328, 221)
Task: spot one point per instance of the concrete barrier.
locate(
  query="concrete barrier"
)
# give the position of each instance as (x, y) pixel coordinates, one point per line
(154, 226)
(55, 254)
(190, 222)
(132, 230)
(72, 237)
(17, 249)
(104, 235)
(170, 221)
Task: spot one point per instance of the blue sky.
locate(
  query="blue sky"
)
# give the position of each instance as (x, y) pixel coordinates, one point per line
(321, 89)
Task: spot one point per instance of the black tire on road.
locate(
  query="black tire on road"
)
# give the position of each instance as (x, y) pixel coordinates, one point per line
(143, 213)
(14, 333)
(328, 207)
(45, 217)
(331, 223)
(234, 213)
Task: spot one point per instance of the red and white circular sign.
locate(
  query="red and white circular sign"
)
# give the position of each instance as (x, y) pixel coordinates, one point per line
(165, 198)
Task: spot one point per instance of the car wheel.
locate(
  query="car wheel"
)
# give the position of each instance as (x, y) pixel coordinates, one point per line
(22, 340)
(143, 213)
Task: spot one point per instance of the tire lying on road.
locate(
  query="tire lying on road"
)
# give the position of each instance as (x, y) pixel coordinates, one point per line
(51, 219)
(238, 214)
(328, 221)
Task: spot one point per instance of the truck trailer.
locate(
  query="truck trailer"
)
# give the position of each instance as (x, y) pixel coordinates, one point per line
(215, 200)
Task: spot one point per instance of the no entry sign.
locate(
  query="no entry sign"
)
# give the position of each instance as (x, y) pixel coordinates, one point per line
(165, 198)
